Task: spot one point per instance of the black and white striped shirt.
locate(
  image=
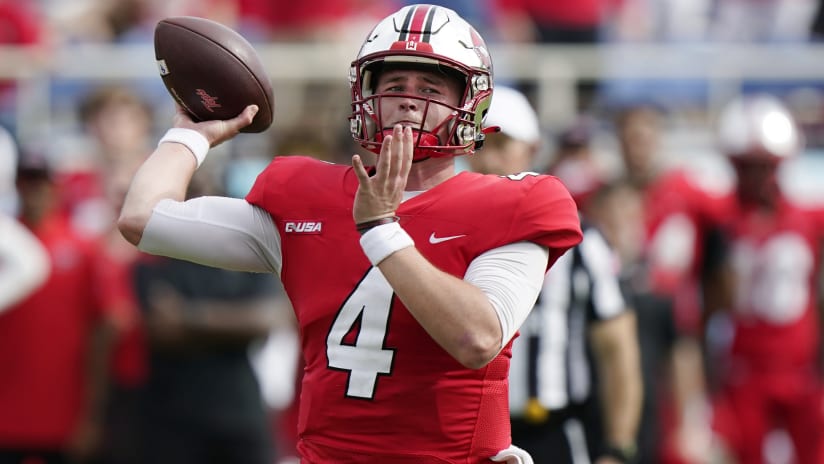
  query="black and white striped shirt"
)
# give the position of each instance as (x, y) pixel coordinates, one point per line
(550, 361)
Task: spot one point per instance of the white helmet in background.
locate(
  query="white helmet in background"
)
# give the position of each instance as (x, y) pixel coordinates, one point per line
(425, 36)
(758, 127)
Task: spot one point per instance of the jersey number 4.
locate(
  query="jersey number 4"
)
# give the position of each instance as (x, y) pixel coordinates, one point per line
(368, 306)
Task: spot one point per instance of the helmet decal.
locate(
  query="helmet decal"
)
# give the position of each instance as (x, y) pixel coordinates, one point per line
(417, 24)
(480, 48)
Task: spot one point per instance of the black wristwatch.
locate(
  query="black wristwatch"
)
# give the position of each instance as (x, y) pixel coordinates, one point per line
(625, 454)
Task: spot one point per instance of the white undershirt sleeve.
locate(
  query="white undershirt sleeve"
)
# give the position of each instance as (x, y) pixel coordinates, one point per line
(511, 276)
(598, 258)
(232, 234)
(221, 232)
(24, 262)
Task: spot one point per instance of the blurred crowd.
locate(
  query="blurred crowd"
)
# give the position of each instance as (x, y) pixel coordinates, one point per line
(119, 357)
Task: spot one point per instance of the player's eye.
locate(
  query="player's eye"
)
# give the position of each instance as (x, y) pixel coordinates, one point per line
(395, 88)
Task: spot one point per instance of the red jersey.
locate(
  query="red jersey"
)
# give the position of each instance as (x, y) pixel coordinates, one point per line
(43, 345)
(678, 211)
(114, 273)
(773, 373)
(775, 259)
(380, 389)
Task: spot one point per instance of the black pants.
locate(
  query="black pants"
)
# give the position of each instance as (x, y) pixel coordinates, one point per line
(570, 436)
(171, 441)
(32, 456)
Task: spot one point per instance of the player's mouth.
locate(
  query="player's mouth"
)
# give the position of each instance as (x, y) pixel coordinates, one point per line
(413, 124)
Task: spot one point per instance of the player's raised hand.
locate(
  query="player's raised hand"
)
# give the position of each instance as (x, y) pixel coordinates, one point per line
(216, 131)
(380, 195)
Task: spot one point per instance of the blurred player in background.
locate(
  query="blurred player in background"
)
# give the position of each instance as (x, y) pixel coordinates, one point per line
(117, 129)
(677, 208)
(202, 401)
(24, 265)
(565, 407)
(576, 163)
(116, 123)
(407, 347)
(53, 345)
(764, 274)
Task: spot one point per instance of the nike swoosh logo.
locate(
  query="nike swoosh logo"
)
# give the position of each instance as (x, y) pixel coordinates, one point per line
(435, 240)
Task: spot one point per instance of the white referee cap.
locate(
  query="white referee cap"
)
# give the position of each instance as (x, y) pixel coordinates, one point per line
(511, 111)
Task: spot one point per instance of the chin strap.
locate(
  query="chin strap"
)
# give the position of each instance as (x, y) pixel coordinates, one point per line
(428, 139)
(479, 141)
(491, 130)
(424, 139)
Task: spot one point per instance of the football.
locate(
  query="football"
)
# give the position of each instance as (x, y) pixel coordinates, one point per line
(212, 71)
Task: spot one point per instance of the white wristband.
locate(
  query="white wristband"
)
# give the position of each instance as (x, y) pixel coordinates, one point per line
(381, 241)
(191, 139)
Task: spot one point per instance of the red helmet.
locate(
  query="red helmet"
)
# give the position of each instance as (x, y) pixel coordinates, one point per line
(758, 127)
(416, 36)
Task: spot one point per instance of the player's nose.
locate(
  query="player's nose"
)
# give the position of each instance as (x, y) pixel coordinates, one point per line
(408, 103)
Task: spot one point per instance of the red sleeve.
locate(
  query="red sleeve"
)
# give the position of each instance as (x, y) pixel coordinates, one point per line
(550, 210)
(277, 189)
(500, 210)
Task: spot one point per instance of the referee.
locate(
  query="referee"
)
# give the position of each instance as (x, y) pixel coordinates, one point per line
(575, 380)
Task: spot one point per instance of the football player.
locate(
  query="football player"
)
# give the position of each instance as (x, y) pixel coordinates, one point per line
(766, 273)
(677, 205)
(24, 264)
(408, 279)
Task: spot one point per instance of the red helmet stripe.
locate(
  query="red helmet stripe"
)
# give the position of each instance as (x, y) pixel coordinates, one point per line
(418, 24)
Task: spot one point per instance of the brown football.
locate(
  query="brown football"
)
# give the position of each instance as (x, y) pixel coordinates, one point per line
(212, 71)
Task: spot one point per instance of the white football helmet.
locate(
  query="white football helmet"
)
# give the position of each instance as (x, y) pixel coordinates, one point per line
(758, 126)
(424, 35)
